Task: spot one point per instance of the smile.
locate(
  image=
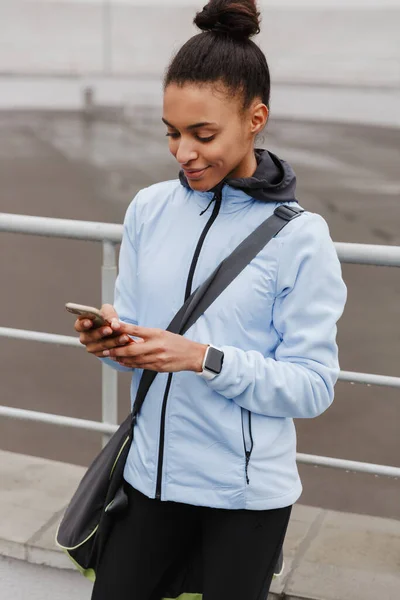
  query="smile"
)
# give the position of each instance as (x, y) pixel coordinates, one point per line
(195, 173)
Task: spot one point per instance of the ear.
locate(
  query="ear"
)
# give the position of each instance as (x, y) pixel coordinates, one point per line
(259, 116)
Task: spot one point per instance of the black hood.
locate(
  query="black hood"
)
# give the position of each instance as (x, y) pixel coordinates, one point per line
(273, 181)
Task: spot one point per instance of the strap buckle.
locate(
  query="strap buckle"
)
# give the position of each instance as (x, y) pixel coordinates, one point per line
(287, 212)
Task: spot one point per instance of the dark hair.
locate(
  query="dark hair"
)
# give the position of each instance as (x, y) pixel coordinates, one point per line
(224, 52)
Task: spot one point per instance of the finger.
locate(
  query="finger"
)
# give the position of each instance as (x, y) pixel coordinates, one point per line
(108, 343)
(83, 324)
(111, 315)
(132, 350)
(141, 332)
(95, 335)
(109, 312)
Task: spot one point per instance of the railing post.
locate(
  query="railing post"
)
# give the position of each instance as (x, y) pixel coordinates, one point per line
(109, 400)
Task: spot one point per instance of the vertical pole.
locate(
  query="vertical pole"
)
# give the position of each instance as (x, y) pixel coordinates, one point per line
(109, 375)
(107, 37)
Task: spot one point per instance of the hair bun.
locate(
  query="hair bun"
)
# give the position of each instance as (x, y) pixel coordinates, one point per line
(237, 19)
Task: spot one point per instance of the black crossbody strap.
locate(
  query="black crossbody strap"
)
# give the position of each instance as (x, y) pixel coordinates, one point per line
(218, 281)
(235, 263)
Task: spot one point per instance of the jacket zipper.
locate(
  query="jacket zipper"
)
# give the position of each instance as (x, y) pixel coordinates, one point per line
(217, 197)
(247, 452)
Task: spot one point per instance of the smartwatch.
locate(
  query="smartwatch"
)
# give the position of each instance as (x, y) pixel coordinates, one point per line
(212, 363)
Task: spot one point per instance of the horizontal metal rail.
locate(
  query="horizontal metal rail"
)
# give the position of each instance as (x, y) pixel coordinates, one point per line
(61, 420)
(368, 254)
(111, 234)
(38, 336)
(309, 459)
(348, 465)
(65, 340)
(369, 379)
(364, 254)
(91, 231)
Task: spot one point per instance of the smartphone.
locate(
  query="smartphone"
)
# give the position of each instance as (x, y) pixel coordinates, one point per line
(89, 312)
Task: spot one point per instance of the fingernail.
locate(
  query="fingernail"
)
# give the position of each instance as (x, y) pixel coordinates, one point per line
(107, 331)
(106, 353)
(115, 324)
(123, 339)
(86, 323)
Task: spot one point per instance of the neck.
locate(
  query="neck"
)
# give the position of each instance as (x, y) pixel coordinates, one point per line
(246, 168)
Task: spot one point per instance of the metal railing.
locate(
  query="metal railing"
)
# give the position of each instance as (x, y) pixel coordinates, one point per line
(110, 236)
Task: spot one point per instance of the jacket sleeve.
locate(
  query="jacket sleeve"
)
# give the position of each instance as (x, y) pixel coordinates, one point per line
(125, 301)
(298, 382)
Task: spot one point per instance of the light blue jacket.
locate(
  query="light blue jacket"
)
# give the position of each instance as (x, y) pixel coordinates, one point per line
(231, 442)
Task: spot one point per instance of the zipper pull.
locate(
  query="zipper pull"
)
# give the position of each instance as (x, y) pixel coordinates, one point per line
(206, 209)
(247, 466)
(217, 198)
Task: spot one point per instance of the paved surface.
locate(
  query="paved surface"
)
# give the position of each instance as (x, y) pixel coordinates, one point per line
(21, 580)
(328, 555)
(61, 165)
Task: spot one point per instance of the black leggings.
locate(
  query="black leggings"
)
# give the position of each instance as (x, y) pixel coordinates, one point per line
(238, 549)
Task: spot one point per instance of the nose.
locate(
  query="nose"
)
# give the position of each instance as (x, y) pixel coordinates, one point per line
(185, 152)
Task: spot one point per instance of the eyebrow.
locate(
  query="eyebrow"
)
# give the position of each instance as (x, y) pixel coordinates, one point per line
(190, 127)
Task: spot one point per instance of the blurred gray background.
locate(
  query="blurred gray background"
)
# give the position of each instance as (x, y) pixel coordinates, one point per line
(335, 116)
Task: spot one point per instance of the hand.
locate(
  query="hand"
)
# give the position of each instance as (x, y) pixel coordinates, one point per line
(160, 351)
(98, 340)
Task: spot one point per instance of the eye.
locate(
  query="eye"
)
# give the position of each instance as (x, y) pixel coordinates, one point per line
(205, 139)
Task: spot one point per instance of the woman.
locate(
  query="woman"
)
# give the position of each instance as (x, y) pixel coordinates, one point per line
(213, 462)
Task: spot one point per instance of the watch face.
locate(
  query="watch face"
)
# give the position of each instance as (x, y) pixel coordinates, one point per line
(214, 360)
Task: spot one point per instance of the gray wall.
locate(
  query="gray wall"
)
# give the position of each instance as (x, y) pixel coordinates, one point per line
(336, 46)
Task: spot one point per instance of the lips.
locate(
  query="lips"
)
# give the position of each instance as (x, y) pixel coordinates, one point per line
(194, 173)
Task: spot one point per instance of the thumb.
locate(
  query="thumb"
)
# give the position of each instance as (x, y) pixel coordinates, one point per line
(110, 314)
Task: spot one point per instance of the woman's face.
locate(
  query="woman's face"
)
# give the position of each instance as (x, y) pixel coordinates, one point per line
(209, 135)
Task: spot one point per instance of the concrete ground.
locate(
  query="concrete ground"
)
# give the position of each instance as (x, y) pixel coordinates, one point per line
(62, 165)
(328, 555)
(21, 580)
